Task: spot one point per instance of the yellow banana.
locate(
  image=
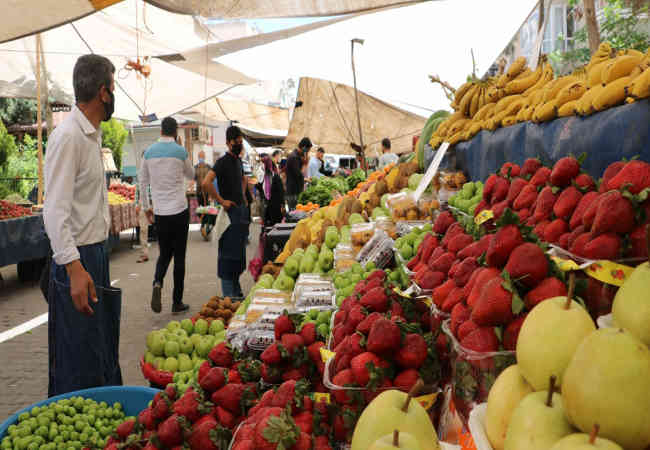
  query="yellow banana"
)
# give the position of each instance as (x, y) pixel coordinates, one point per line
(501, 81)
(633, 52)
(594, 74)
(557, 86)
(604, 51)
(567, 109)
(475, 128)
(571, 92)
(481, 113)
(519, 85)
(435, 141)
(612, 94)
(457, 126)
(640, 87)
(461, 91)
(545, 112)
(536, 98)
(463, 106)
(473, 105)
(516, 68)
(619, 67)
(508, 121)
(522, 114)
(503, 104)
(585, 106)
(514, 107)
(547, 75)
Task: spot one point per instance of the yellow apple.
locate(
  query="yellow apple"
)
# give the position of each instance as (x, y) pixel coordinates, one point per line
(404, 441)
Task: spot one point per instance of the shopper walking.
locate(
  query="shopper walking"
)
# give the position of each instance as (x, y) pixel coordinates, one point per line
(272, 194)
(200, 171)
(166, 164)
(143, 222)
(387, 157)
(295, 176)
(84, 312)
(232, 184)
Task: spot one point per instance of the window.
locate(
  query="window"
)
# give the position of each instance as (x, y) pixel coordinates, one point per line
(556, 32)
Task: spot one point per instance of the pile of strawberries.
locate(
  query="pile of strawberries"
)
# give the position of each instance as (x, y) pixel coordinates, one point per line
(293, 355)
(10, 210)
(567, 208)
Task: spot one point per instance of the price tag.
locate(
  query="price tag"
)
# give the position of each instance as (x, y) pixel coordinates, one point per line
(483, 216)
(322, 397)
(326, 354)
(609, 272)
(427, 401)
(565, 265)
(431, 171)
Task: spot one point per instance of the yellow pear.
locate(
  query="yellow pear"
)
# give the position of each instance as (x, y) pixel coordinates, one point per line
(579, 441)
(608, 383)
(538, 422)
(506, 393)
(404, 441)
(550, 334)
(631, 308)
(393, 410)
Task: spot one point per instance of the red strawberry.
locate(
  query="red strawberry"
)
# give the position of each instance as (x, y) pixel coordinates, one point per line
(406, 380)
(563, 241)
(528, 263)
(246, 444)
(374, 300)
(465, 270)
(482, 340)
(427, 279)
(489, 186)
(590, 212)
(413, 352)
(526, 197)
(213, 380)
(288, 393)
(272, 355)
(361, 365)
(494, 306)
(441, 293)
(547, 288)
(567, 202)
(170, 432)
(396, 310)
(467, 289)
(515, 189)
(203, 370)
(230, 397)
(511, 333)
(292, 342)
(475, 249)
(531, 165)
(435, 254)
(428, 245)
(466, 328)
(480, 207)
(480, 283)
(554, 230)
(565, 170)
(499, 208)
(638, 246)
(585, 201)
(146, 419)
(343, 378)
(360, 287)
(366, 324)
(574, 235)
(314, 351)
(500, 191)
(371, 284)
(615, 213)
(541, 177)
(124, 429)
(370, 394)
(384, 337)
(523, 215)
(202, 435)
(294, 374)
(605, 246)
(545, 202)
(452, 231)
(270, 374)
(321, 443)
(540, 228)
(502, 244)
(455, 297)
(276, 431)
(160, 407)
(341, 315)
(377, 274)
(308, 333)
(283, 325)
(510, 170)
(459, 315)
(612, 170)
(221, 355)
(585, 183)
(459, 242)
(443, 263)
(443, 222)
(578, 246)
(635, 176)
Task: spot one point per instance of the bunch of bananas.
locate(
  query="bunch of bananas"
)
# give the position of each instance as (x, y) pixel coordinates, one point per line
(519, 95)
(116, 199)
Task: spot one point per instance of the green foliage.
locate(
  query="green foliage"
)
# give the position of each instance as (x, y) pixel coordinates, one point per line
(7, 146)
(355, 178)
(17, 111)
(23, 163)
(114, 136)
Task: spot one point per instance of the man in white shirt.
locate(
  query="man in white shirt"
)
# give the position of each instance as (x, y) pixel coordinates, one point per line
(315, 168)
(84, 312)
(165, 167)
(387, 157)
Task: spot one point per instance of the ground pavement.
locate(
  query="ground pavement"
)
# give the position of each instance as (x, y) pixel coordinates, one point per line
(23, 359)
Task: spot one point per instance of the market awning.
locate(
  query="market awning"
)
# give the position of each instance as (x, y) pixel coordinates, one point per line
(246, 114)
(328, 116)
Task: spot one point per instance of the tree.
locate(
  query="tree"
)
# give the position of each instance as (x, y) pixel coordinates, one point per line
(7, 147)
(17, 111)
(114, 136)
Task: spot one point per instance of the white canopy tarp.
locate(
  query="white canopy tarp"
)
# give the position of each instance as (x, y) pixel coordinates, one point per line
(402, 46)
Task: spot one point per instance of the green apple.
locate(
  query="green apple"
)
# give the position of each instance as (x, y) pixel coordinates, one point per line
(312, 249)
(332, 237)
(386, 413)
(631, 308)
(171, 365)
(172, 348)
(186, 346)
(407, 251)
(355, 218)
(356, 268)
(158, 345)
(150, 338)
(548, 338)
(291, 266)
(171, 336)
(265, 281)
(149, 357)
(216, 326)
(173, 325)
(181, 333)
(396, 440)
(579, 441)
(197, 363)
(506, 393)
(188, 326)
(326, 259)
(201, 327)
(285, 283)
(184, 363)
(219, 337)
(324, 316)
(195, 338)
(204, 348)
(538, 422)
(159, 362)
(307, 264)
(608, 383)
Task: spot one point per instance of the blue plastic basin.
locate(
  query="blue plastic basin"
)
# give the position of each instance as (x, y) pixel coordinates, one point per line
(133, 399)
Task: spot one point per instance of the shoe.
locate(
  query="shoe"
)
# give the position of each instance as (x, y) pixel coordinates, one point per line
(156, 305)
(181, 307)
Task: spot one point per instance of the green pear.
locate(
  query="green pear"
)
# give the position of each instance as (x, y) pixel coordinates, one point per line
(549, 336)
(631, 308)
(506, 393)
(538, 422)
(405, 441)
(393, 410)
(581, 441)
(608, 383)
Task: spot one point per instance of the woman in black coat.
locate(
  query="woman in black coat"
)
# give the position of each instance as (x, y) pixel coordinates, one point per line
(272, 192)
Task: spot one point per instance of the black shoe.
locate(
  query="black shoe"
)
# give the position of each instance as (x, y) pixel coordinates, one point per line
(179, 308)
(156, 305)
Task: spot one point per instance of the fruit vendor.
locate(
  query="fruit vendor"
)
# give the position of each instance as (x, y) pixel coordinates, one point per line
(229, 174)
(387, 157)
(295, 177)
(165, 167)
(84, 311)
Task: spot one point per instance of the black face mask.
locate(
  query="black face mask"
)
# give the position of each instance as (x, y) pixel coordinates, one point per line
(109, 107)
(237, 149)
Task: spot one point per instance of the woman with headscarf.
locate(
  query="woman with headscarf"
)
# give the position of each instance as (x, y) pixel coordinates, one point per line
(272, 194)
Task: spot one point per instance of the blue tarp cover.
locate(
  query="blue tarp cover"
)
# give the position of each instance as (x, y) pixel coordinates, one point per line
(22, 239)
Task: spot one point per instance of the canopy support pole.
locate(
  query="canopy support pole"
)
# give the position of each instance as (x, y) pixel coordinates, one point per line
(356, 99)
(39, 119)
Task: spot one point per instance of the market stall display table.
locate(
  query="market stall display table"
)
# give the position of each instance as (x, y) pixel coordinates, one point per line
(23, 241)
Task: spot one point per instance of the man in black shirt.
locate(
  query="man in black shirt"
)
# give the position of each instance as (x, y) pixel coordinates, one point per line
(229, 172)
(295, 178)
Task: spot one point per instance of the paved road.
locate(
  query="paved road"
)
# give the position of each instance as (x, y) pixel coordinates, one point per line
(23, 359)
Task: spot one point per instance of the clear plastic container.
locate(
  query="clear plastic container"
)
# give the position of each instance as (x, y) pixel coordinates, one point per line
(386, 223)
(344, 257)
(381, 254)
(404, 227)
(360, 233)
(366, 250)
(271, 297)
(403, 206)
(307, 298)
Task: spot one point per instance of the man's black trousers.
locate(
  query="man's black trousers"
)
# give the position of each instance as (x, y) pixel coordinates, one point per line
(172, 239)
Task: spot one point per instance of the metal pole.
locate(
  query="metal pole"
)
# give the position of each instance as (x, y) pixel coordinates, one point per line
(356, 99)
(39, 119)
